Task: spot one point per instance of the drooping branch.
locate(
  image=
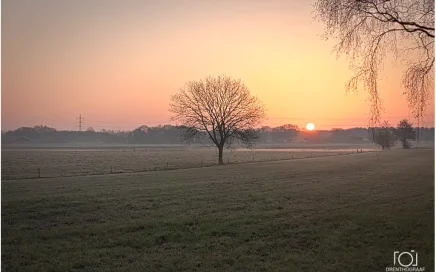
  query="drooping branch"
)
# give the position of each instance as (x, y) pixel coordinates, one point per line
(369, 30)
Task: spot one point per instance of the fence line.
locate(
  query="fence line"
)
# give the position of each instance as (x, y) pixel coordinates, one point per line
(167, 166)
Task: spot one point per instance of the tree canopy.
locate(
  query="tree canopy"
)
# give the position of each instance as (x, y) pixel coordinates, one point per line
(405, 133)
(221, 108)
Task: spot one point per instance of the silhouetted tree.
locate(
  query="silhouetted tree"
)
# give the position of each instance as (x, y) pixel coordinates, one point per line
(405, 133)
(339, 134)
(220, 107)
(384, 136)
(368, 30)
(284, 133)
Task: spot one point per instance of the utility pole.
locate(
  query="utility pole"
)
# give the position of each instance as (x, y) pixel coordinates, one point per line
(80, 122)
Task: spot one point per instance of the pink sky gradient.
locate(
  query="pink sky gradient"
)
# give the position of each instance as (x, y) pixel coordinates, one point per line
(118, 62)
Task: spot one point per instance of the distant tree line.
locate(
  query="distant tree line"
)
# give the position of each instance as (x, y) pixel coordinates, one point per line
(169, 134)
(386, 136)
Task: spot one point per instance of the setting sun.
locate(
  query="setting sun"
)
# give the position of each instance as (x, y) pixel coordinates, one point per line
(310, 126)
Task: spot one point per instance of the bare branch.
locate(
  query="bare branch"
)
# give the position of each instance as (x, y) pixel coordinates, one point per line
(221, 108)
(368, 30)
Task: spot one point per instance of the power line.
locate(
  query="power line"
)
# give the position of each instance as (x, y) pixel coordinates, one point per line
(132, 123)
(338, 125)
(100, 123)
(346, 118)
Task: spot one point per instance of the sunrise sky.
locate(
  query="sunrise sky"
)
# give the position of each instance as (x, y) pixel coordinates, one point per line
(118, 62)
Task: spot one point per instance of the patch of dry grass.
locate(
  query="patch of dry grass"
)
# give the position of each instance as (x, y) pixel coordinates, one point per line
(58, 163)
(344, 213)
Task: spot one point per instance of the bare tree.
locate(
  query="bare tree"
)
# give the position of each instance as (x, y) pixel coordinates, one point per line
(368, 30)
(221, 109)
(384, 135)
(405, 133)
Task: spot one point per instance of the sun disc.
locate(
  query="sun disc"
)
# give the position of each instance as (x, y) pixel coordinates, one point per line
(310, 126)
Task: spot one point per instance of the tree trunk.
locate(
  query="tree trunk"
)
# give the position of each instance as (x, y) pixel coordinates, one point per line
(220, 155)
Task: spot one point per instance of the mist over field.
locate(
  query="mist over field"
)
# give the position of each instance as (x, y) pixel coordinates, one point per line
(171, 135)
(124, 201)
(256, 135)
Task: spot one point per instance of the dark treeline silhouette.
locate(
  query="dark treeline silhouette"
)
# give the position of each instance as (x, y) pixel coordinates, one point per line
(169, 134)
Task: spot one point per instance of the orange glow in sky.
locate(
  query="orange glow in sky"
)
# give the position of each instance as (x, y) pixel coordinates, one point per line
(118, 62)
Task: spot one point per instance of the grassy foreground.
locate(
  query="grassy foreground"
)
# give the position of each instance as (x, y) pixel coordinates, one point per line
(345, 213)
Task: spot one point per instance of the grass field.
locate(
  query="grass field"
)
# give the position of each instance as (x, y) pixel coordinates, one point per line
(58, 162)
(337, 213)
